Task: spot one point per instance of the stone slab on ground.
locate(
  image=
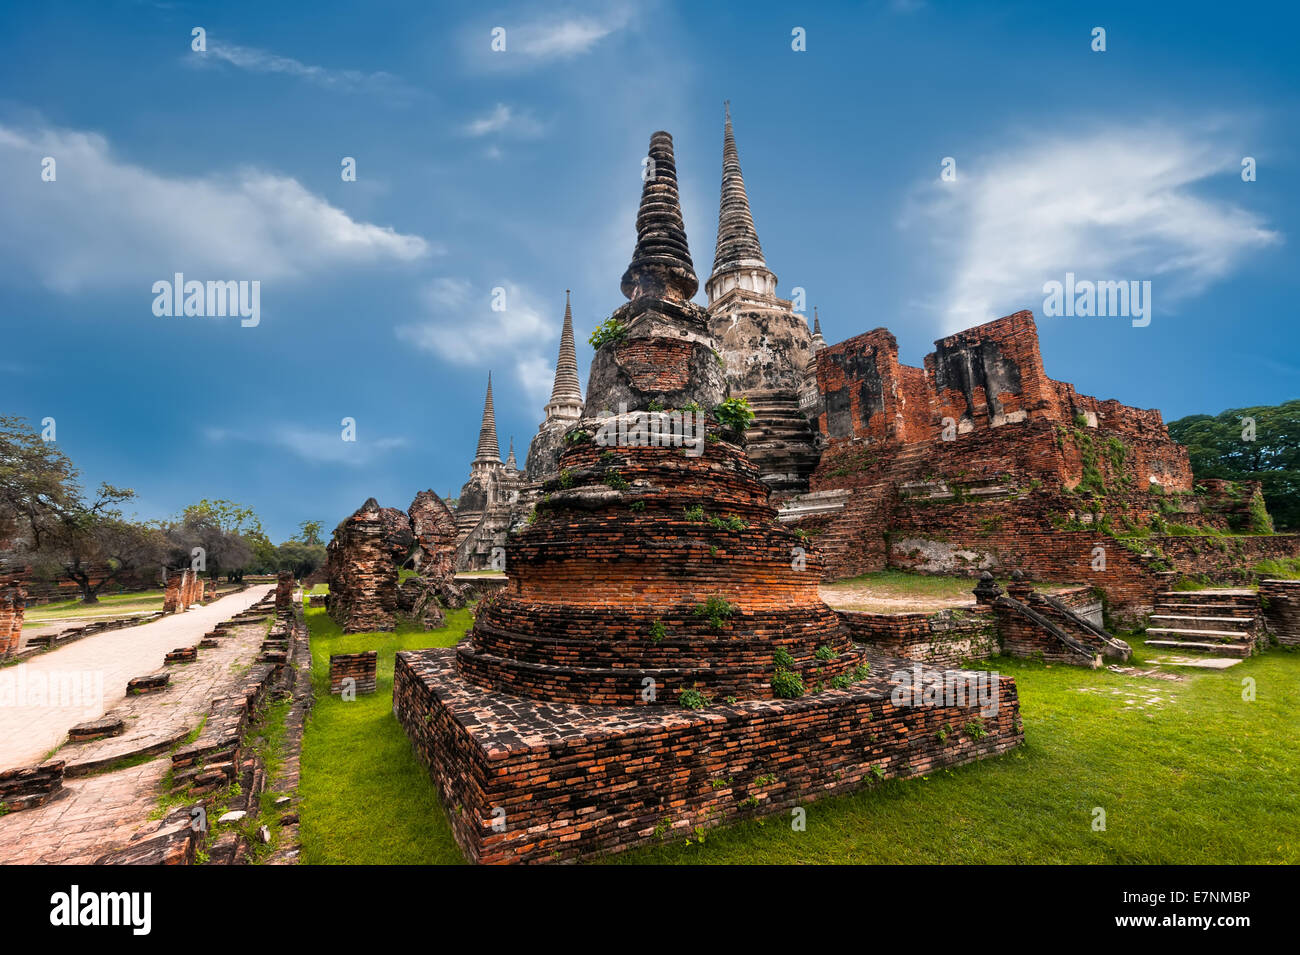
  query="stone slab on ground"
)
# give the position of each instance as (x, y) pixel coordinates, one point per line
(1202, 663)
(88, 818)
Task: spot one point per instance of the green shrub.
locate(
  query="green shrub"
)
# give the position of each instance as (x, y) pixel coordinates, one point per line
(787, 684)
(735, 414)
(695, 513)
(1259, 521)
(692, 699)
(717, 609)
(657, 631)
(610, 330)
(826, 654)
(731, 523)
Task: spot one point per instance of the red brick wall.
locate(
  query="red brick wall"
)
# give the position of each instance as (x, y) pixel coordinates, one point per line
(942, 639)
(599, 785)
(360, 667)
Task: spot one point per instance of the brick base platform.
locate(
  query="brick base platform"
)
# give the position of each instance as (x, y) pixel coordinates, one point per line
(527, 781)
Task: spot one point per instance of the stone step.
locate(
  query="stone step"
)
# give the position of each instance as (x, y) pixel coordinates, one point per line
(1206, 598)
(1182, 622)
(1205, 610)
(1231, 649)
(1223, 636)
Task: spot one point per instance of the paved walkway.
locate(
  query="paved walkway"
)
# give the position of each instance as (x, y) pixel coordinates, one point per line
(89, 818)
(89, 677)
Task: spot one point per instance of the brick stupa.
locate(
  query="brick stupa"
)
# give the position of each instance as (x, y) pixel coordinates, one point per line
(660, 659)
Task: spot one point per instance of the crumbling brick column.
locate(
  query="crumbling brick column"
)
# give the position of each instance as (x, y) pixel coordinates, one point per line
(13, 602)
(362, 573)
(284, 592)
(210, 590)
(172, 592)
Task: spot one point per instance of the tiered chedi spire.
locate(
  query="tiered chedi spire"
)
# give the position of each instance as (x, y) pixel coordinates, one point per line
(511, 463)
(489, 451)
(566, 395)
(661, 265)
(609, 558)
(817, 340)
(738, 260)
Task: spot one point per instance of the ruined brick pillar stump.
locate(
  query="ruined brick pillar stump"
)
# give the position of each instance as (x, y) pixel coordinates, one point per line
(360, 668)
(13, 603)
(284, 592)
(172, 592)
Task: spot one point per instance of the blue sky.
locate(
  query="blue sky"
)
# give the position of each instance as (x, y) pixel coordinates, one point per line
(521, 170)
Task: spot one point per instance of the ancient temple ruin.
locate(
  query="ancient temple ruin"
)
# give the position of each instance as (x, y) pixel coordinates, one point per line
(489, 503)
(564, 408)
(973, 460)
(653, 583)
(766, 346)
(371, 547)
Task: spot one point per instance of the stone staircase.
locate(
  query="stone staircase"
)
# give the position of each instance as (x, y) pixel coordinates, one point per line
(780, 442)
(475, 551)
(1223, 622)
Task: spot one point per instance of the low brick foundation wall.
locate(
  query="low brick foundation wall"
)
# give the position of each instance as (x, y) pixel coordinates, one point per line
(524, 781)
(943, 638)
(360, 667)
(1129, 579)
(31, 786)
(1281, 603)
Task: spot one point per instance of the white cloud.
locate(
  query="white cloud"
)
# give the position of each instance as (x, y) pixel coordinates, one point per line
(566, 38)
(315, 446)
(107, 222)
(1118, 203)
(549, 39)
(463, 328)
(263, 61)
(503, 119)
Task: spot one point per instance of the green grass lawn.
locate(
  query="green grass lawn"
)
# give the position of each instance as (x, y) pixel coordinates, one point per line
(364, 798)
(112, 605)
(1199, 776)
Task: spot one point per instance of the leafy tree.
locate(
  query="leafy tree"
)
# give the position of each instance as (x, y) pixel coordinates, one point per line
(1221, 446)
(96, 548)
(225, 549)
(300, 557)
(38, 484)
(309, 533)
